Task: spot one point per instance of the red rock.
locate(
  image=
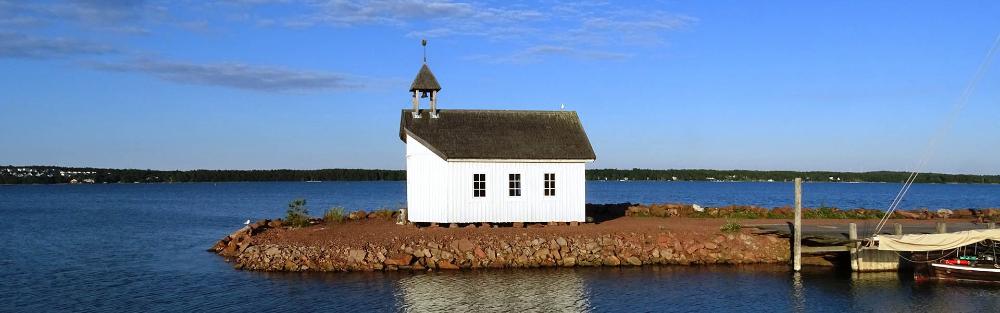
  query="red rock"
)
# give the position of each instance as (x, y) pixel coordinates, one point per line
(907, 214)
(357, 215)
(399, 259)
(445, 265)
(219, 246)
(464, 245)
(634, 261)
(692, 248)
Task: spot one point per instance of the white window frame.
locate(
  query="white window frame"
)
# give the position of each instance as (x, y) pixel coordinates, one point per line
(549, 184)
(514, 185)
(479, 185)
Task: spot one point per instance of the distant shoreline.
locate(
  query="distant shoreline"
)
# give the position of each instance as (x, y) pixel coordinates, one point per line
(56, 174)
(366, 181)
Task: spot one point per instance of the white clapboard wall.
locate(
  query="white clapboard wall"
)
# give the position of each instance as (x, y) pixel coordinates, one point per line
(442, 192)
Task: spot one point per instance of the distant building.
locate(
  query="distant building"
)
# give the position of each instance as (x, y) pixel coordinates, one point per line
(466, 166)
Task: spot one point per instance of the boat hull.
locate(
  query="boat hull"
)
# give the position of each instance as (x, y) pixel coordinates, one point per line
(961, 273)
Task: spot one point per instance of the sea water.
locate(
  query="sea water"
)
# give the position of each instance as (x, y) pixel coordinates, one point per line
(141, 248)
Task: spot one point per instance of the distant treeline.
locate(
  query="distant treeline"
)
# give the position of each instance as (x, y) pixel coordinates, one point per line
(745, 175)
(57, 175)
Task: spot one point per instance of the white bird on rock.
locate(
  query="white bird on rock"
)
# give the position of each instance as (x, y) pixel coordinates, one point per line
(247, 222)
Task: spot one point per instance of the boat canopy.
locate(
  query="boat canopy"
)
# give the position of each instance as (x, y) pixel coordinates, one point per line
(933, 242)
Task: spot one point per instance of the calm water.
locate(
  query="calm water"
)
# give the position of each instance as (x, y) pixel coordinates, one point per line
(142, 248)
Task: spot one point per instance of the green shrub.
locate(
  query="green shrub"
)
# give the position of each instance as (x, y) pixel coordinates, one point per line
(730, 227)
(297, 214)
(334, 215)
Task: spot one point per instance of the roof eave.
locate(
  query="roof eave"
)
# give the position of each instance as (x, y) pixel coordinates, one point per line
(425, 144)
(521, 160)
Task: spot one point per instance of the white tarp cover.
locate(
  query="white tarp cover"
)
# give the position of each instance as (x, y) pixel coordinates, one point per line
(932, 242)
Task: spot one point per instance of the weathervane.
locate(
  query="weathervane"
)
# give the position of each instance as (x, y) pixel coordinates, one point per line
(423, 42)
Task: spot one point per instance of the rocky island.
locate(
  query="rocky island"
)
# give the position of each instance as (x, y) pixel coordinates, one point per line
(625, 235)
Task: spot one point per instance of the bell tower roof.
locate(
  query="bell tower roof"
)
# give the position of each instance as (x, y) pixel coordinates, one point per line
(425, 80)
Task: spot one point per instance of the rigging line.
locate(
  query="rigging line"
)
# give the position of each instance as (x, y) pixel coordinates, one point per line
(944, 129)
(885, 217)
(895, 203)
(926, 261)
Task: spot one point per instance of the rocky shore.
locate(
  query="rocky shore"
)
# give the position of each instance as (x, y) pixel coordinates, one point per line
(624, 235)
(460, 248)
(755, 212)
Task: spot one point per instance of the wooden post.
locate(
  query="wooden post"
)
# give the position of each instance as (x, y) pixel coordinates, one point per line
(899, 229)
(852, 234)
(942, 228)
(797, 257)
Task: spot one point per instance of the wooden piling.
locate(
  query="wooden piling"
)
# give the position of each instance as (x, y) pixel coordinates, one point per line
(852, 234)
(797, 257)
(941, 228)
(898, 229)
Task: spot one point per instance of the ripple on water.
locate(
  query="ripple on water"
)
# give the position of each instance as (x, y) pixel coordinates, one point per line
(141, 248)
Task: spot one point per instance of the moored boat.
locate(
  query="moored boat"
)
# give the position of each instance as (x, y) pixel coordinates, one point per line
(959, 256)
(978, 273)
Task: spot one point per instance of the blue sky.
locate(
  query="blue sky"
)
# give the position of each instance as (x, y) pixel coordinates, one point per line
(790, 85)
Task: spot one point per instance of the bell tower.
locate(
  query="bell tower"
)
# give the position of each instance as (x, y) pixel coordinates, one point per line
(425, 85)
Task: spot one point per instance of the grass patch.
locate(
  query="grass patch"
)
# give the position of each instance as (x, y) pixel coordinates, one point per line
(730, 227)
(334, 215)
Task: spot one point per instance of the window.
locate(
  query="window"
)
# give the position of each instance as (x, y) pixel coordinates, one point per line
(550, 184)
(514, 186)
(478, 185)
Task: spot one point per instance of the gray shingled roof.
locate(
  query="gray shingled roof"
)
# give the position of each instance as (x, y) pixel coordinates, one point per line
(425, 80)
(500, 134)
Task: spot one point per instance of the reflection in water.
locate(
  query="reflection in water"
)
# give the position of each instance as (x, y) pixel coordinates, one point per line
(540, 290)
(747, 288)
(798, 293)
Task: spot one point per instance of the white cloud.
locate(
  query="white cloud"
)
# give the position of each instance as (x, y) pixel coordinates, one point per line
(22, 46)
(122, 16)
(588, 29)
(233, 75)
(537, 53)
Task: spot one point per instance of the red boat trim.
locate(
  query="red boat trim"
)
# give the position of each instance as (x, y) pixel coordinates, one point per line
(966, 268)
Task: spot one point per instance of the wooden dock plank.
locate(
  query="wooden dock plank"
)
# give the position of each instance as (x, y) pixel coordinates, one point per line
(826, 249)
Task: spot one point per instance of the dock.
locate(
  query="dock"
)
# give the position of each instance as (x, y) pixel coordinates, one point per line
(844, 238)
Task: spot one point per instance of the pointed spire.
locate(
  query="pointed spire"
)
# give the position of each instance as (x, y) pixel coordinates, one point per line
(425, 80)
